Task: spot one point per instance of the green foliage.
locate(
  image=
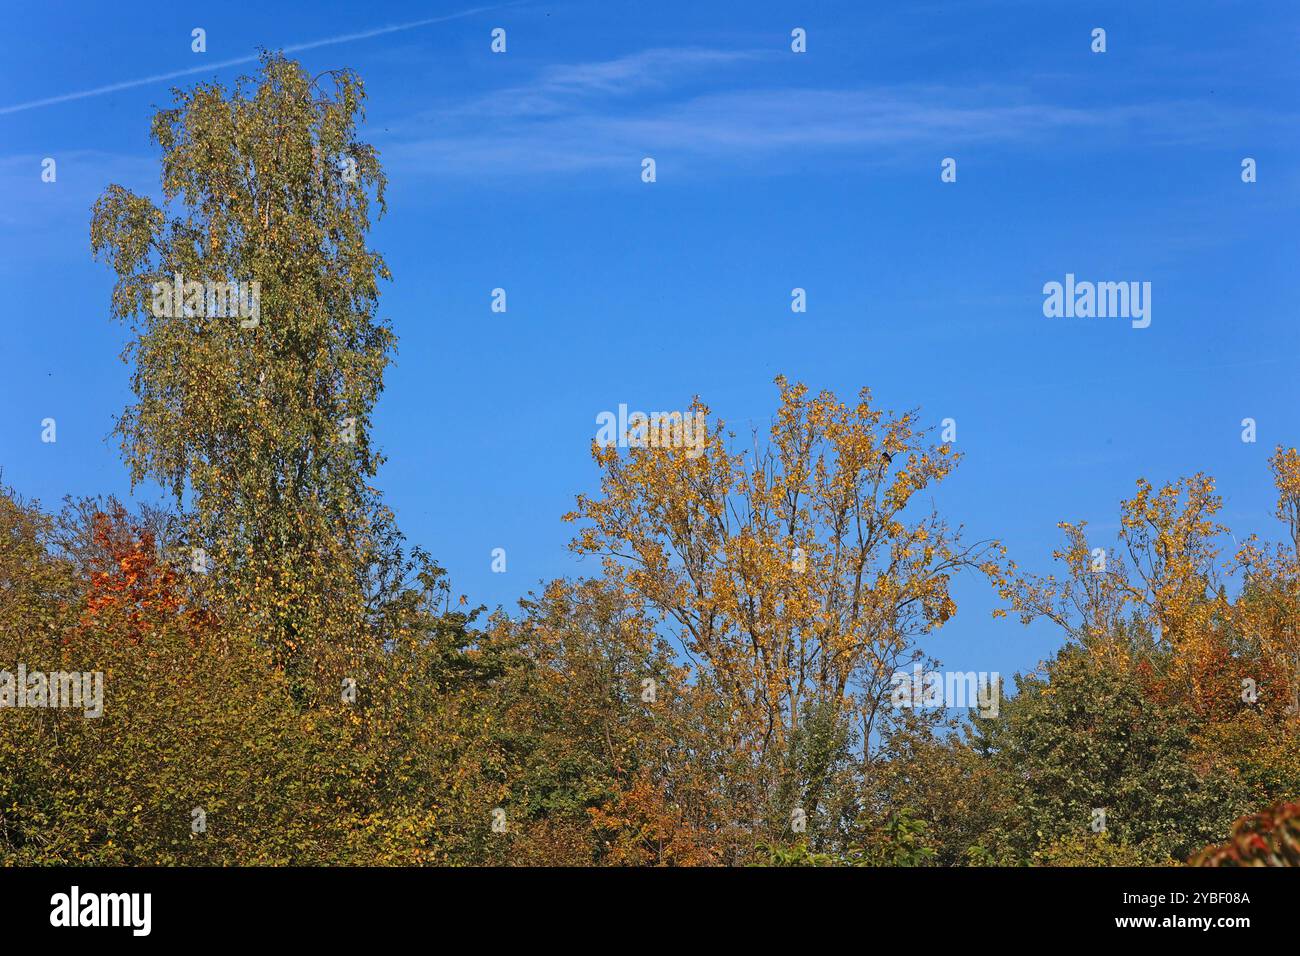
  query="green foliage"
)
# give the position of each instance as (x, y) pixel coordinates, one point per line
(963, 798)
(1088, 734)
(1091, 849)
(819, 776)
(901, 841)
(798, 854)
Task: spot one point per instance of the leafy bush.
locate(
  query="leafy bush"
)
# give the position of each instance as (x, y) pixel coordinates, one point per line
(1270, 838)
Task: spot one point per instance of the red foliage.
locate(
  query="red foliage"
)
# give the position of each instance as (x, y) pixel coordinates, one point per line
(129, 589)
(1270, 838)
(1209, 677)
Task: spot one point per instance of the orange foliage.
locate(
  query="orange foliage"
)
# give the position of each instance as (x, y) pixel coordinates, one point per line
(640, 827)
(130, 591)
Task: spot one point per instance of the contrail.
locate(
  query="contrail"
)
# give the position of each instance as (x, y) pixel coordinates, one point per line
(311, 45)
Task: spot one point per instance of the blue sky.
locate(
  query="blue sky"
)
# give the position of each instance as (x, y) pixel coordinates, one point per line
(775, 170)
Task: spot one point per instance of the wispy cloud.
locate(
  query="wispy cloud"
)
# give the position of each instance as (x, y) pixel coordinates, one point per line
(570, 90)
(648, 69)
(239, 60)
(686, 104)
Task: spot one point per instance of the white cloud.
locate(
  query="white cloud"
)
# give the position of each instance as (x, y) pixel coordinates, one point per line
(694, 104)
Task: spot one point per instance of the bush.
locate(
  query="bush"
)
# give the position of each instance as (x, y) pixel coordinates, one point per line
(1270, 838)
